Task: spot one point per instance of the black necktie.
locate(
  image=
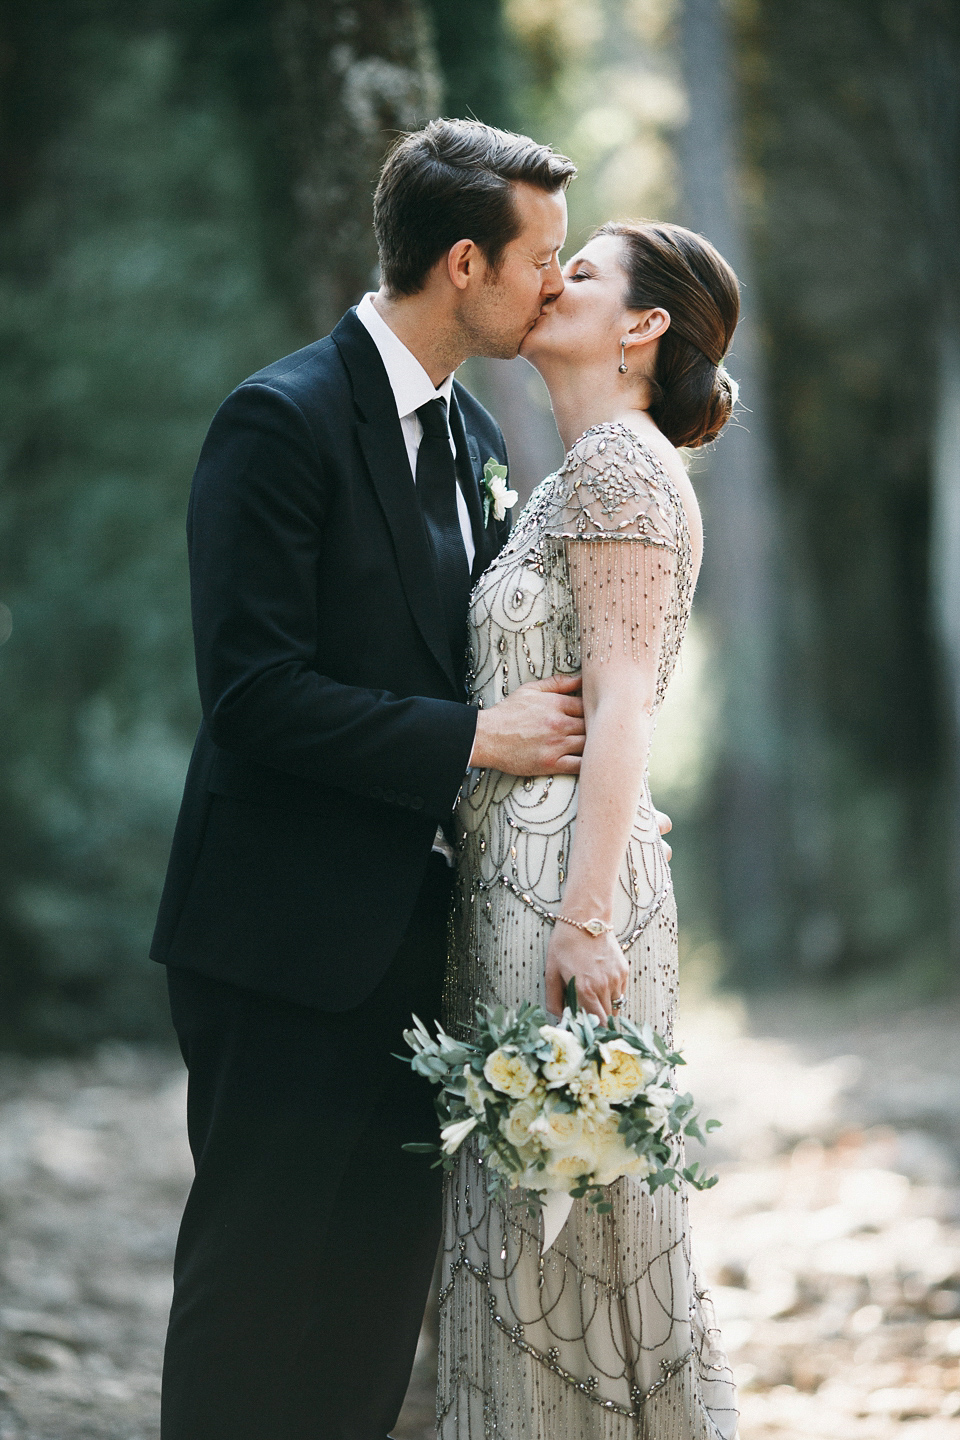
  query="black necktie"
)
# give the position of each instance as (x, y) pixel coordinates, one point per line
(437, 493)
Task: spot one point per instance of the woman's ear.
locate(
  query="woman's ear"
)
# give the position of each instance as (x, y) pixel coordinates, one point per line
(649, 326)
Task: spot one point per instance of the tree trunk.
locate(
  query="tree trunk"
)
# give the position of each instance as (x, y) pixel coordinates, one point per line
(357, 73)
(946, 587)
(739, 592)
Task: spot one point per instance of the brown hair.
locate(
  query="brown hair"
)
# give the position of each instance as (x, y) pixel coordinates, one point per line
(693, 396)
(453, 181)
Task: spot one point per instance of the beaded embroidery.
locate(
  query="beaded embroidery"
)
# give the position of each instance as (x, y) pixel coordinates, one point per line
(607, 1336)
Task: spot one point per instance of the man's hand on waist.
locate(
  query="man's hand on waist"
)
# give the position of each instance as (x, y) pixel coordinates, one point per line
(537, 730)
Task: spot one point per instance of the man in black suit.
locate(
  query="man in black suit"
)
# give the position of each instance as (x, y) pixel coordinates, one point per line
(336, 524)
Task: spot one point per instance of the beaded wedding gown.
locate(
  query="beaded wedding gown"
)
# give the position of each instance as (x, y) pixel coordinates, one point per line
(607, 1336)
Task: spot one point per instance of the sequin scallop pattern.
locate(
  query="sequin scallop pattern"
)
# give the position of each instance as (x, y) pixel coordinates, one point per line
(609, 1336)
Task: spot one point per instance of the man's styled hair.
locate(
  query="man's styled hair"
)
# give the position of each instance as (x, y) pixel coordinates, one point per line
(453, 181)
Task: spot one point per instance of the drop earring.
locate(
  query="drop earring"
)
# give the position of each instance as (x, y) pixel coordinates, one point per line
(623, 363)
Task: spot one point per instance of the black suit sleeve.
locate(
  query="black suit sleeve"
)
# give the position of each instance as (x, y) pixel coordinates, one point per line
(256, 512)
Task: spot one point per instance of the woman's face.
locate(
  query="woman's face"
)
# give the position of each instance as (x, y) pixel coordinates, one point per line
(588, 318)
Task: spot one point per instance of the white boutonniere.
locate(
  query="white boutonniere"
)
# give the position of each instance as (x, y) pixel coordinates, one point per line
(496, 496)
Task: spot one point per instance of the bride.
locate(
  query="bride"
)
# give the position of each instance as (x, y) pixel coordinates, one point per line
(607, 1335)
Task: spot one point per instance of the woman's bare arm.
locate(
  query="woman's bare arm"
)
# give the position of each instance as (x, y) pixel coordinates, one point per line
(620, 672)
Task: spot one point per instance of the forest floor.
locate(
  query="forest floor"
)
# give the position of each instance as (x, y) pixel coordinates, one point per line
(831, 1245)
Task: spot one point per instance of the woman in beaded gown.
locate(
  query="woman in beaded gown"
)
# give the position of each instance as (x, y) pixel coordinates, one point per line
(607, 1336)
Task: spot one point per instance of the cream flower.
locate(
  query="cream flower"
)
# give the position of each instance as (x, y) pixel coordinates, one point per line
(517, 1125)
(476, 1094)
(557, 1129)
(624, 1072)
(617, 1160)
(454, 1135)
(568, 1166)
(566, 1056)
(658, 1110)
(586, 1083)
(614, 1158)
(509, 1073)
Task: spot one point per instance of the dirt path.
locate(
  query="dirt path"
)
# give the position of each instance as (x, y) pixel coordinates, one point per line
(832, 1244)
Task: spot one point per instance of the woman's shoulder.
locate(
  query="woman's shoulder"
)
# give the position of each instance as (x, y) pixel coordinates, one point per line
(616, 484)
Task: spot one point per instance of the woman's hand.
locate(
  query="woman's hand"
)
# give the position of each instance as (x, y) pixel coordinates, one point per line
(596, 963)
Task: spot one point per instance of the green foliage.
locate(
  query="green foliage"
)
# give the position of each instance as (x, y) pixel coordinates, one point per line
(136, 289)
(481, 74)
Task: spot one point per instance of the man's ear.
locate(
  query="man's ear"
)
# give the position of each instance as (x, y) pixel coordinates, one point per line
(463, 262)
(649, 326)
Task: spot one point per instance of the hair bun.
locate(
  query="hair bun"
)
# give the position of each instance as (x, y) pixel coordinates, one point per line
(693, 396)
(720, 407)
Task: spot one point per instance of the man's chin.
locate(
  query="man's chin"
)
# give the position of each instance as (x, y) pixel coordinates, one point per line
(528, 344)
(506, 350)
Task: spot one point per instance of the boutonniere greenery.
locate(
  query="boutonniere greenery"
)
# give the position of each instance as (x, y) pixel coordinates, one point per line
(496, 496)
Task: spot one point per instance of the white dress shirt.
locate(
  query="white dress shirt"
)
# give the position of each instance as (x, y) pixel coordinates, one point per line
(412, 387)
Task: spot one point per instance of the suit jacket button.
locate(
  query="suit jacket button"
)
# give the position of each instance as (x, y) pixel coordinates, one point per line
(416, 802)
(375, 792)
(390, 796)
(403, 798)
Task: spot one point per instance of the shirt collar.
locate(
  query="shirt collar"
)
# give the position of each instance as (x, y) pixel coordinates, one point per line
(410, 383)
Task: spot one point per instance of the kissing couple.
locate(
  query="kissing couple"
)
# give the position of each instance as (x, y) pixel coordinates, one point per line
(420, 784)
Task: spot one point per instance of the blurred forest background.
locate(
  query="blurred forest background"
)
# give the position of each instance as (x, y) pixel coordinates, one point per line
(186, 196)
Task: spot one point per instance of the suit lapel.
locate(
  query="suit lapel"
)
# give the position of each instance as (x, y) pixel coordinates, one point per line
(381, 440)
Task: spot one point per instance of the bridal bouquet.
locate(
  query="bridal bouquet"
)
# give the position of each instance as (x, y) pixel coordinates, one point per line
(560, 1110)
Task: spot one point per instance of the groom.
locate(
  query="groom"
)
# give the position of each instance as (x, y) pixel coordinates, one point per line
(336, 524)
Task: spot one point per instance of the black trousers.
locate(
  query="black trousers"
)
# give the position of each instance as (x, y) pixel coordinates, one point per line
(309, 1237)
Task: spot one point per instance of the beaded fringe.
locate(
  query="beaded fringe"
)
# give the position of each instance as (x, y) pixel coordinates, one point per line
(607, 1337)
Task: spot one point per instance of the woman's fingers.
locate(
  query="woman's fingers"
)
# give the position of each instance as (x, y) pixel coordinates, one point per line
(554, 992)
(597, 1002)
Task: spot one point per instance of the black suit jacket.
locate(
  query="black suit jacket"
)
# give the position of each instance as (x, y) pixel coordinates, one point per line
(335, 731)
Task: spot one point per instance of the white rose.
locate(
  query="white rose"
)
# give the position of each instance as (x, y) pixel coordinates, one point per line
(614, 1158)
(502, 498)
(518, 1124)
(566, 1056)
(566, 1167)
(454, 1135)
(617, 1160)
(624, 1071)
(509, 1073)
(557, 1129)
(658, 1110)
(476, 1094)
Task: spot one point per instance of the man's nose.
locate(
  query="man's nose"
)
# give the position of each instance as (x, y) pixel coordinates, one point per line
(553, 281)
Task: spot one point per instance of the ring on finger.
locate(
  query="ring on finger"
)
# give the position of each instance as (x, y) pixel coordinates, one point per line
(618, 1003)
